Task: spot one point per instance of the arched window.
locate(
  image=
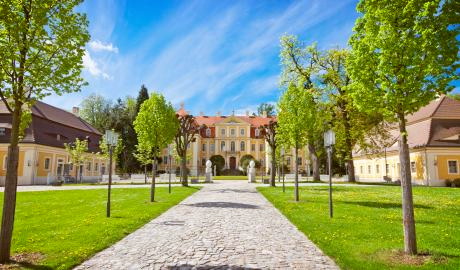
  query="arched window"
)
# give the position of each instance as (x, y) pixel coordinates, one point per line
(232, 146)
(222, 146)
(242, 146)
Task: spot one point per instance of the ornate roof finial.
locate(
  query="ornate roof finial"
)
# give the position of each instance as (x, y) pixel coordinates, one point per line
(182, 104)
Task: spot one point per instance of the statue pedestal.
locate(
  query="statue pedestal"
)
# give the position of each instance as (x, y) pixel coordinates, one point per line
(208, 172)
(208, 178)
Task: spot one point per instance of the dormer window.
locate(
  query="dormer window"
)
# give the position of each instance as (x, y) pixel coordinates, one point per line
(58, 137)
(208, 132)
(2, 131)
(257, 132)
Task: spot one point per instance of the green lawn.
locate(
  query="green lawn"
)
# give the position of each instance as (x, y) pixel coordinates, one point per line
(366, 230)
(69, 226)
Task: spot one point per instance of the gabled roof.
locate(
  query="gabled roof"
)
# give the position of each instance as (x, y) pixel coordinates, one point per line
(57, 115)
(442, 107)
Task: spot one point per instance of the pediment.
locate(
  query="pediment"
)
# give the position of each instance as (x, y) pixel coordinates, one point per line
(232, 120)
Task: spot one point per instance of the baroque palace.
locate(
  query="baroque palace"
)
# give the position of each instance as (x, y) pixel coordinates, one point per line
(42, 156)
(232, 137)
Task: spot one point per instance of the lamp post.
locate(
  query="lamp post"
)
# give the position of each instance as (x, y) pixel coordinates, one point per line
(282, 166)
(329, 141)
(170, 161)
(111, 138)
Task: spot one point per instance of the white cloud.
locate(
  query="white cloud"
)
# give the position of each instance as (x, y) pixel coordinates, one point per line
(97, 45)
(92, 67)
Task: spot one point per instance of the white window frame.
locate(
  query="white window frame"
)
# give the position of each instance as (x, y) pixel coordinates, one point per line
(2, 131)
(448, 167)
(5, 160)
(242, 146)
(257, 132)
(377, 168)
(242, 131)
(232, 132)
(415, 167)
(369, 169)
(222, 132)
(222, 146)
(208, 132)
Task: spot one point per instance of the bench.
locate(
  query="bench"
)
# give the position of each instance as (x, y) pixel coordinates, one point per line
(165, 177)
(105, 177)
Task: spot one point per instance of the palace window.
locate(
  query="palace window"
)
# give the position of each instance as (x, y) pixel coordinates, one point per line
(208, 132)
(261, 147)
(242, 132)
(242, 146)
(88, 166)
(232, 146)
(369, 170)
(232, 132)
(2, 131)
(361, 169)
(412, 167)
(212, 148)
(288, 161)
(299, 161)
(387, 168)
(203, 147)
(257, 132)
(47, 163)
(222, 146)
(452, 166)
(377, 168)
(253, 147)
(222, 132)
(96, 167)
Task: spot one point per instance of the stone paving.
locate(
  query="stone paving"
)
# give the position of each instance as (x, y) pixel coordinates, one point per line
(225, 225)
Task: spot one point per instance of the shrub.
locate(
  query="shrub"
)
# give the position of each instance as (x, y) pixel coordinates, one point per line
(231, 172)
(219, 162)
(455, 182)
(448, 182)
(187, 170)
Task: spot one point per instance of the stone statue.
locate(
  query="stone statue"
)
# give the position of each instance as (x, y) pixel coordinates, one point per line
(252, 172)
(208, 172)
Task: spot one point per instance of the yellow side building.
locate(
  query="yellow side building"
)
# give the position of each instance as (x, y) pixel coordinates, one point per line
(42, 157)
(434, 142)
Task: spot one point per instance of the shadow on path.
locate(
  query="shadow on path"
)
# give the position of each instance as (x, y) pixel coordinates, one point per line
(384, 204)
(223, 205)
(209, 267)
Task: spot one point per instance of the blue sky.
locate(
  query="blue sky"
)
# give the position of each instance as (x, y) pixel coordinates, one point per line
(215, 55)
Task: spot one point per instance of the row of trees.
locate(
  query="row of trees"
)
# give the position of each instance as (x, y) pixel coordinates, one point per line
(403, 54)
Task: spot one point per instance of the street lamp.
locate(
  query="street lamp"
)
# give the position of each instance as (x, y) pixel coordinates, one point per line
(170, 149)
(111, 139)
(329, 141)
(282, 165)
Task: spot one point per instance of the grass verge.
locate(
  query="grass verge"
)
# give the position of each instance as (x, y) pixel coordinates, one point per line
(67, 227)
(366, 231)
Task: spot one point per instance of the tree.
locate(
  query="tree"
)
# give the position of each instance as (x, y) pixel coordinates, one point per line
(244, 162)
(269, 133)
(77, 152)
(188, 128)
(295, 111)
(144, 156)
(219, 162)
(404, 54)
(267, 108)
(96, 110)
(141, 97)
(41, 49)
(299, 70)
(155, 125)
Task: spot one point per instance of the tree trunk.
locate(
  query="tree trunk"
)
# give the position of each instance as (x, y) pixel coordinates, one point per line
(183, 167)
(273, 168)
(351, 170)
(349, 150)
(296, 174)
(11, 183)
(152, 188)
(410, 243)
(314, 161)
(145, 173)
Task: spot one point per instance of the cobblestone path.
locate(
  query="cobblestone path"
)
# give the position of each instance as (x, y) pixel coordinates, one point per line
(226, 225)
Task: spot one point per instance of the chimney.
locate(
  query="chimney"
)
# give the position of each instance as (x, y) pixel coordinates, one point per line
(247, 112)
(218, 114)
(76, 111)
(264, 114)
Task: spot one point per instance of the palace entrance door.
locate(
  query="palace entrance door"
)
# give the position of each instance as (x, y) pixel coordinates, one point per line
(232, 163)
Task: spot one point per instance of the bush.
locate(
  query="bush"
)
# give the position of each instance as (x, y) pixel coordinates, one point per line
(231, 172)
(219, 162)
(448, 182)
(187, 170)
(453, 183)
